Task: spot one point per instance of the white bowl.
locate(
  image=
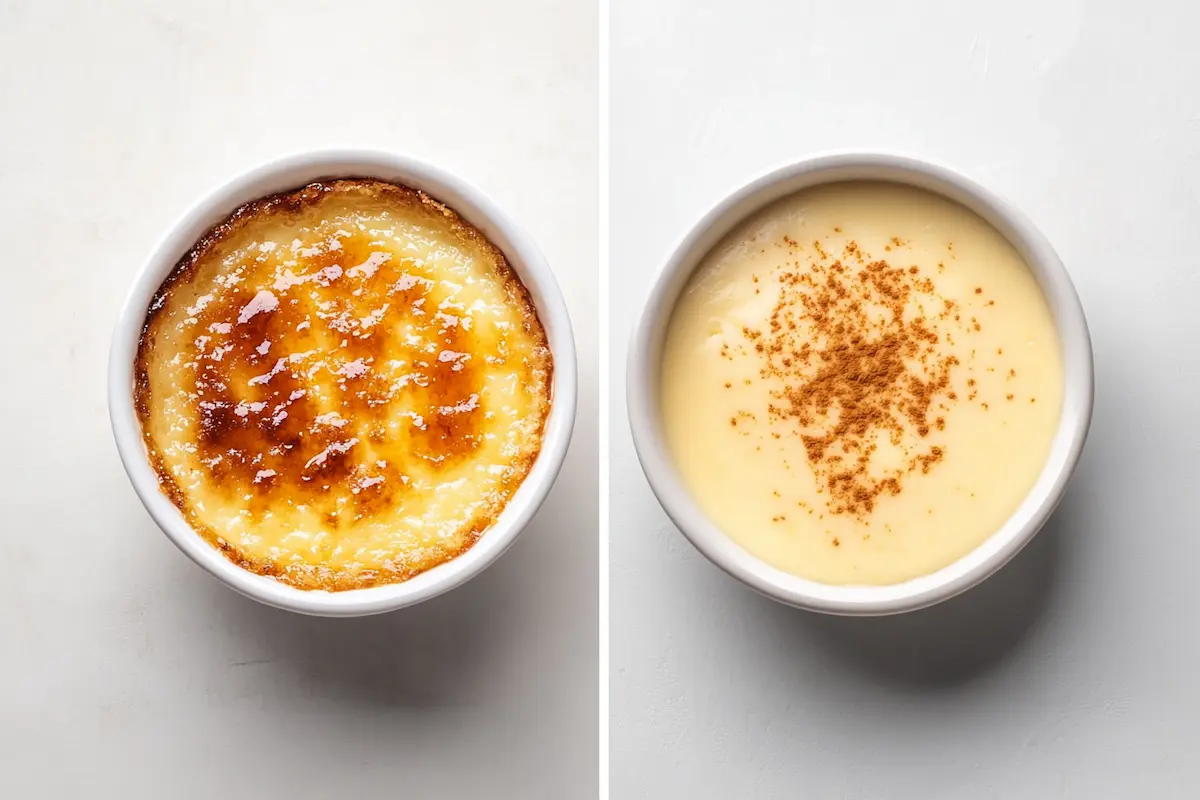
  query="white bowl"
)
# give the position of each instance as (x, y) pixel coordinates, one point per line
(645, 358)
(292, 173)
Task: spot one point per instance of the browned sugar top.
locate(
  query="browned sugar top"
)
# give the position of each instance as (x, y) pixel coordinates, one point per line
(302, 337)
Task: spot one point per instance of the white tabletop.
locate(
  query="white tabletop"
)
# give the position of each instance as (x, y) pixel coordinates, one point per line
(1072, 673)
(125, 671)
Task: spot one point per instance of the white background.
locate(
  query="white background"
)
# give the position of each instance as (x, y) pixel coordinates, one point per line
(1072, 673)
(126, 672)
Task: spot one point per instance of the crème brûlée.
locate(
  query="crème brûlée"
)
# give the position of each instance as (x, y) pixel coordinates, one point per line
(343, 386)
(861, 383)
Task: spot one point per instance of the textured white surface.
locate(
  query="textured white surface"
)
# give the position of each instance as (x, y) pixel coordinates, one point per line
(1066, 675)
(127, 672)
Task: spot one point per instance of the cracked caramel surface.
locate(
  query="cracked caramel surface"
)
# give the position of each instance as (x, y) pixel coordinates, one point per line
(342, 386)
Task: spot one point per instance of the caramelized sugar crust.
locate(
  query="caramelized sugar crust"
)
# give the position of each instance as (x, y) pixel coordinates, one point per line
(342, 386)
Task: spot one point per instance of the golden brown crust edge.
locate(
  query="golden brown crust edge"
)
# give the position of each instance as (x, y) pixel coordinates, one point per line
(314, 577)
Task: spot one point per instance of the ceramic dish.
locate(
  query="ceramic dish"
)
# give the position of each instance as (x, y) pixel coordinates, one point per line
(645, 358)
(291, 173)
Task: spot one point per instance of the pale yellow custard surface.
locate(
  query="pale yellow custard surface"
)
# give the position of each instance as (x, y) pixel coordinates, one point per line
(861, 383)
(342, 386)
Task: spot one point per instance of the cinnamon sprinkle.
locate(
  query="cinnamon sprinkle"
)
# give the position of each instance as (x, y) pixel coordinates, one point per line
(858, 359)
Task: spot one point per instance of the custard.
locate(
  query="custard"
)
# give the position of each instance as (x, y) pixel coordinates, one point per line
(861, 383)
(342, 386)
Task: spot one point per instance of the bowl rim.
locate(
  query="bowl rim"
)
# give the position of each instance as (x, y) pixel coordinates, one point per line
(645, 351)
(291, 172)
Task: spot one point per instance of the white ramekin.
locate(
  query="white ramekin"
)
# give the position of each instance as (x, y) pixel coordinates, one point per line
(291, 173)
(645, 358)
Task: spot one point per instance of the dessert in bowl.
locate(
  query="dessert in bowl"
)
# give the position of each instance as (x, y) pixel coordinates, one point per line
(861, 384)
(344, 383)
